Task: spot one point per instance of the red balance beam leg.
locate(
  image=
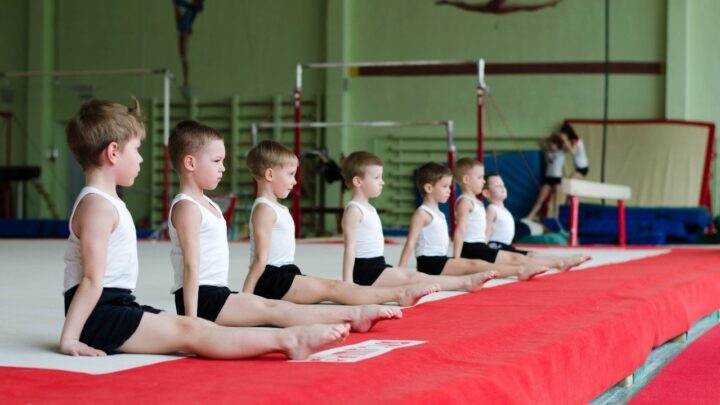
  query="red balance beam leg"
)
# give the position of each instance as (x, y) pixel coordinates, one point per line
(621, 223)
(574, 208)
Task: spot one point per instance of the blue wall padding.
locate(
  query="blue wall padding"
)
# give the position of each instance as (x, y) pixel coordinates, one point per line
(644, 225)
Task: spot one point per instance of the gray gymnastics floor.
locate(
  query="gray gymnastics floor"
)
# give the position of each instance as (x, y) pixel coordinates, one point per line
(32, 303)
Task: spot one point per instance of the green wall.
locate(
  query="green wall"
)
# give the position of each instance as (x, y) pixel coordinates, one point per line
(248, 49)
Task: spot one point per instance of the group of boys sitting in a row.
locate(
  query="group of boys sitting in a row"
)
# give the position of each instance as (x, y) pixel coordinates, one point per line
(101, 259)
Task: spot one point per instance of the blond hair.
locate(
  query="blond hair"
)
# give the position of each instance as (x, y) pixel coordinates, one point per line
(430, 173)
(97, 124)
(188, 138)
(356, 163)
(266, 155)
(463, 166)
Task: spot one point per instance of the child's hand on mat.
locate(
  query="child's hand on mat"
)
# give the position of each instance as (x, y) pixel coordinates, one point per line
(75, 347)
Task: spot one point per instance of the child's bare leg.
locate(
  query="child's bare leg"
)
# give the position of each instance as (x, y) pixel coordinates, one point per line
(251, 310)
(462, 266)
(165, 333)
(544, 192)
(553, 262)
(400, 276)
(311, 290)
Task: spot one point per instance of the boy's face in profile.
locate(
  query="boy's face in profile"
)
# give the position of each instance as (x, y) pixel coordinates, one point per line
(210, 166)
(372, 182)
(495, 190)
(128, 162)
(283, 179)
(440, 191)
(475, 179)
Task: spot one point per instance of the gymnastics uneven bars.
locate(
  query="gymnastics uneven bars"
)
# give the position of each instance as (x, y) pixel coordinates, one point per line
(167, 77)
(296, 209)
(404, 68)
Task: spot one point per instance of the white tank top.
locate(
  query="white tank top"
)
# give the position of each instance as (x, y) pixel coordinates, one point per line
(214, 260)
(282, 238)
(580, 157)
(554, 163)
(121, 264)
(503, 229)
(433, 239)
(476, 221)
(370, 241)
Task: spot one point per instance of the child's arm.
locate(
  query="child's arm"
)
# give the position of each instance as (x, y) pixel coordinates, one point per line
(572, 147)
(461, 213)
(263, 218)
(350, 220)
(186, 218)
(419, 220)
(93, 222)
(491, 216)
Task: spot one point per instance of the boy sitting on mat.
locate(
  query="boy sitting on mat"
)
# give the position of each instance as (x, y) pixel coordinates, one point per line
(363, 261)
(200, 252)
(101, 262)
(428, 233)
(469, 238)
(273, 273)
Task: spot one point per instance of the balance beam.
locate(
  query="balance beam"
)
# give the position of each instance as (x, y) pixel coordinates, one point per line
(576, 188)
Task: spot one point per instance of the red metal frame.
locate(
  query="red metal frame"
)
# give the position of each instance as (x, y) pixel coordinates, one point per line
(704, 199)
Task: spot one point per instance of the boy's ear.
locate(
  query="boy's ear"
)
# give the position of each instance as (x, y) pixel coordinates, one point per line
(268, 174)
(189, 163)
(485, 193)
(111, 151)
(356, 181)
(427, 188)
(465, 178)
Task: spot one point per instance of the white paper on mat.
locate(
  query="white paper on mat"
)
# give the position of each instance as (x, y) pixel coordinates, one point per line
(359, 351)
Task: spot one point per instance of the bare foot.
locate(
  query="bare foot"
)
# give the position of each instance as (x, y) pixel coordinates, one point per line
(476, 281)
(411, 294)
(302, 341)
(572, 261)
(527, 273)
(368, 315)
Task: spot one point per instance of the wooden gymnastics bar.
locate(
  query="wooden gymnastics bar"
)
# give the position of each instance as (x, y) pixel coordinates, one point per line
(576, 188)
(298, 126)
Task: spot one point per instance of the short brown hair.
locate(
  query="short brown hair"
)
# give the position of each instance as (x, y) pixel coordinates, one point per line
(268, 154)
(99, 123)
(463, 166)
(356, 163)
(430, 173)
(188, 138)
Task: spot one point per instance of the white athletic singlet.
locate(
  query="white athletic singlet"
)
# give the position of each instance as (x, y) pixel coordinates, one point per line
(503, 229)
(214, 260)
(580, 158)
(433, 239)
(370, 241)
(121, 264)
(282, 238)
(554, 163)
(476, 221)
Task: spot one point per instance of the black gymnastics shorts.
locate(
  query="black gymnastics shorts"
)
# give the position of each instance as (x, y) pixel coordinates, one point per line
(113, 320)
(211, 300)
(367, 270)
(478, 250)
(551, 181)
(507, 248)
(583, 171)
(276, 281)
(432, 265)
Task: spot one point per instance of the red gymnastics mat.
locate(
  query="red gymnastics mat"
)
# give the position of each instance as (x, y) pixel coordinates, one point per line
(691, 378)
(563, 338)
